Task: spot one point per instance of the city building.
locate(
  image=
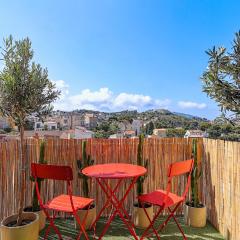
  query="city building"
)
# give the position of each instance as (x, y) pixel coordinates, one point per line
(137, 126)
(82, 133)
(116, 135)
(195, 134)
(3, 123)
(90, 121)
(160, 132)
(129, 133)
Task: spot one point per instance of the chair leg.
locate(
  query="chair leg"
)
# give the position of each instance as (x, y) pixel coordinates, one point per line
(145, 233)
(149, 219)
(176, 221)
(82, 225)
(160, 228)
(52, 225)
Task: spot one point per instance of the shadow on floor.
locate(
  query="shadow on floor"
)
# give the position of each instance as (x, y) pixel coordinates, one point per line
(118, 230)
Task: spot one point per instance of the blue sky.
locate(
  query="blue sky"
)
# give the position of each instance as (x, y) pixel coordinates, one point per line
(135, 54)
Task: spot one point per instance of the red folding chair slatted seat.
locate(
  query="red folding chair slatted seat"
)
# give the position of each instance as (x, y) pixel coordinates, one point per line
(62, 203)
(166, 199)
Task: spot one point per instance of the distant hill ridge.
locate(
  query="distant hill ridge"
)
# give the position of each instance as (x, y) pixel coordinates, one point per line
(135, 114)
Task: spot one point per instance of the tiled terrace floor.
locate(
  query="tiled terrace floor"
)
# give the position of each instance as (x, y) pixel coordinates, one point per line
(118, 231)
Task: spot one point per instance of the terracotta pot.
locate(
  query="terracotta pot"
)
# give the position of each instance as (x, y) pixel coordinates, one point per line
(91, 216)
(140, 218)
(27, 232)
(42, 217)
(195, 217)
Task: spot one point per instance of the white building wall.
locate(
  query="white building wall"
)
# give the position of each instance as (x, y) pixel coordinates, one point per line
(82, 133)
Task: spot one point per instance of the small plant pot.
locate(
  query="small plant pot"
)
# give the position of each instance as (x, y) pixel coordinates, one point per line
(29, 231)
(41, 214)
(195, 216)
(91, 216)
(140, 218)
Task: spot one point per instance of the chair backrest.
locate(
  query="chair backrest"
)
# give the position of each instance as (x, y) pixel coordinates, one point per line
(180, 168)
(54, 172)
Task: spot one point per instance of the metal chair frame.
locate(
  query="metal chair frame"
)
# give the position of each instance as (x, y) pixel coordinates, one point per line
(56, 172)
(175, 169)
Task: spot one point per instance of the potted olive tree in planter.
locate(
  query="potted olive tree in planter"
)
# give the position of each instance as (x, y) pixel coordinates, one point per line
(24, 90)
(35, 207)
(139, 216)
(195, 211)
(90, 211)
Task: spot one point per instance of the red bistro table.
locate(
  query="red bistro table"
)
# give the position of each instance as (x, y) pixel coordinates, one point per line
(120, 172)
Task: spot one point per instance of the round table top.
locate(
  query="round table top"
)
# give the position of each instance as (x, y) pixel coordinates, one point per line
(114, 171)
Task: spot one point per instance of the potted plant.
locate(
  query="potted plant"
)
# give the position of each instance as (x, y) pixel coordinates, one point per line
(35, 207)
(139, 216)
(91, 214)
(195, 211)
(24, 90)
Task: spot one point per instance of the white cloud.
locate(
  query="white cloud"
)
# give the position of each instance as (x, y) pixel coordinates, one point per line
(62, 86)
(189, 104)
(138, 102)
(105, 100)
(133, 100)
(62, 102)
(87, 96)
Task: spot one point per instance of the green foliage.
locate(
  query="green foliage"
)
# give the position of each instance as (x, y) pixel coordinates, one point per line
(175, 132)
(24, 89)
(101, 134)
(204, 126)
(214, 131)
(8, 129)
(41, 160)
(28, 125)
(222, 77)
(224, 130)
(149, 128)
(196, 174)
(141, 162)
(106, 128)
(156, 119)
(174, 121)
(227, 128)
(86, 161)
(24, 85)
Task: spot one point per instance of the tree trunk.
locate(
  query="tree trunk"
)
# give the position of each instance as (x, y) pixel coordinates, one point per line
(23, 176)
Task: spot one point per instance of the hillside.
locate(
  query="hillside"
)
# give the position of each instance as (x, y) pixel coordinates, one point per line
(162, 118)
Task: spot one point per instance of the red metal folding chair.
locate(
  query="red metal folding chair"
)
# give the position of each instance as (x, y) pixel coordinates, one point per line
(62, 203)
(166, 199)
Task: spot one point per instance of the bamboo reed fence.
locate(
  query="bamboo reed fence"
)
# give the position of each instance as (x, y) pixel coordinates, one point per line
(220, 182)
(221, 185)
(160, 152)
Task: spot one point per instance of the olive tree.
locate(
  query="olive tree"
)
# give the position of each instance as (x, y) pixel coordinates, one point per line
(25, 89)
(221, 80)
